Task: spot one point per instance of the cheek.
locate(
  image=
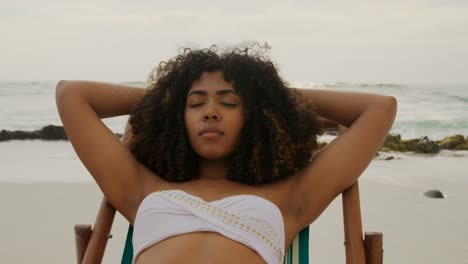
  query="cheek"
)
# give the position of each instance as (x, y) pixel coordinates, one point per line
(237, 122)
(240, 119)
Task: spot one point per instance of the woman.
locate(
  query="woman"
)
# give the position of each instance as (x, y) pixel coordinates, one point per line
(222, 165)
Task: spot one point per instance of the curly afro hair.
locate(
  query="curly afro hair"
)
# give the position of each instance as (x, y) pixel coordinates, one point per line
(279, 136)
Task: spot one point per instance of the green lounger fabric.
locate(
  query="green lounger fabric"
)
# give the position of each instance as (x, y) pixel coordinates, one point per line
(128, 250)
(298, 252)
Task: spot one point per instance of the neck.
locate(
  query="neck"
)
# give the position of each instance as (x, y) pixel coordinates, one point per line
(213, 169)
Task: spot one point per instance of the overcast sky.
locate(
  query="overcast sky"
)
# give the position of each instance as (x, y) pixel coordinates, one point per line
(397, 41)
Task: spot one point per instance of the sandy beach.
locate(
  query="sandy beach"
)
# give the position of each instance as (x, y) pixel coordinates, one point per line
(45, 191)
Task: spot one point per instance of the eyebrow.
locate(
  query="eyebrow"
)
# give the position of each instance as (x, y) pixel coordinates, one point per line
(205, 93)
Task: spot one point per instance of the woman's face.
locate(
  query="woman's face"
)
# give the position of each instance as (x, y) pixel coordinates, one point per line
(213, 116)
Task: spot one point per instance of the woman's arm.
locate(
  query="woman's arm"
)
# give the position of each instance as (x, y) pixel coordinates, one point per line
(106, 99)
(81, 105)
(327, 123)
(368, 118)
(341, 107)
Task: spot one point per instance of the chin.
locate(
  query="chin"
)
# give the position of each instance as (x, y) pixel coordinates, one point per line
(212, 154)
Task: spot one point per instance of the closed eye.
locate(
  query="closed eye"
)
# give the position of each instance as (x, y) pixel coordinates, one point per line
(229, 105)
(225, 104)
(196, 105)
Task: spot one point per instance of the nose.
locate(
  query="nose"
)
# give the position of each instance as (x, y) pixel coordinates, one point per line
(210, 114)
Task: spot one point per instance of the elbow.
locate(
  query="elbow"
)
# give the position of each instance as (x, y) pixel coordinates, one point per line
(391, 105)
(389, 102)
(393, 101)
(61, 89)
(64, 92)
(60, 94)
(60, 85)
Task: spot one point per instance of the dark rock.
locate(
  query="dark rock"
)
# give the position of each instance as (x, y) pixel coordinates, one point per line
(393, 143)
(455, 142)
(434, 194)
(49, 132)
(389, 158)
(12, 135)
(421, 145)
(393, 139)
(52, 132)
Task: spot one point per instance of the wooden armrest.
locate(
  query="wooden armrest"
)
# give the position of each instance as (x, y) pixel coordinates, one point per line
(82, 236)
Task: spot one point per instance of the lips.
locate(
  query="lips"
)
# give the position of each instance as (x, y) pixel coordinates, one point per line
(210, 129)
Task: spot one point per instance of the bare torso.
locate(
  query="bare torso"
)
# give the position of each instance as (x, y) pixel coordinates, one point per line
(211, 247)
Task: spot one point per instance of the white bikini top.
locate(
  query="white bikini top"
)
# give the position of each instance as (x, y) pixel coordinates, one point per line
(248, 219)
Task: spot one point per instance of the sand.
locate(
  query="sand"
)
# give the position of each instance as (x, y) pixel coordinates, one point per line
(45, 191)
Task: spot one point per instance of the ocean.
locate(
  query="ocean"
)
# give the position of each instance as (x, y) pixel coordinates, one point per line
(423, 110)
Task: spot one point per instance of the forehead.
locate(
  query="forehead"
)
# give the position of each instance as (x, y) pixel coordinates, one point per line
(211, 81)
